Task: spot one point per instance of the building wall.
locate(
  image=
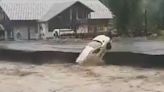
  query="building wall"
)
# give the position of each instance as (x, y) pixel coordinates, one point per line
(22, 30)
(98, 28)
(82, 29)
(98, 25)
(4, 21)
(43, 30)
(25, 31)
(74, 16)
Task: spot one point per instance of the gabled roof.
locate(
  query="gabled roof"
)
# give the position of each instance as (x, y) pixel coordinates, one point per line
(34, 10)
(25, 11)
(46, 9)
(100, 10)
(59, 7)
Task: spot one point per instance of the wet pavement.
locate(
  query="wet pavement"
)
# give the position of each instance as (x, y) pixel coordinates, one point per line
(142, 46)
(137, 45)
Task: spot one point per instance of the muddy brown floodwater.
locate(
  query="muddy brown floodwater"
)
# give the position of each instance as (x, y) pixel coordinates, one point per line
(132, 66)
(21, 77)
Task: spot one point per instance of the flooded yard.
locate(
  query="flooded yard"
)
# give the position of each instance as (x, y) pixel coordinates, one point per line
(66, 77)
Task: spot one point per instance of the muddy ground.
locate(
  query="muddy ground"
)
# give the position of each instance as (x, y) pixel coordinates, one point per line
(67, 77)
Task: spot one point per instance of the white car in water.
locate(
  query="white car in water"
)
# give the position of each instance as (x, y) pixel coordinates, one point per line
(94, 52)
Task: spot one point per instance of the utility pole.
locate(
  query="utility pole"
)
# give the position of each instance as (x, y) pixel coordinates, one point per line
(28, 30)
(146, 24)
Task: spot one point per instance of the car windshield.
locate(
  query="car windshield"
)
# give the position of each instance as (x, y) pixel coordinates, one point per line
(95, 44)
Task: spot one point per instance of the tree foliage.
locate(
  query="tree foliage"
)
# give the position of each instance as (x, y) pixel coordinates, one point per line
(130, 14)
(155, 13)
(126, 13)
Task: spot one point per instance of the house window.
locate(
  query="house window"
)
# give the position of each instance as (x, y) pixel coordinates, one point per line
(100, 28)
(82, 13)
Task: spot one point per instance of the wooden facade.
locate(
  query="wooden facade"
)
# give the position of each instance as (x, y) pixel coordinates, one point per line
(99, 26)
(5, 25)
(71, 18)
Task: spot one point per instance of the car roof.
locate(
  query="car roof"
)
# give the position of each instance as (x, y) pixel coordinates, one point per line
(102, 38)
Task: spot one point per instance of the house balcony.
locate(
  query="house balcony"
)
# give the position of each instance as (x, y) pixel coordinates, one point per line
(77, 22)
(82, 21)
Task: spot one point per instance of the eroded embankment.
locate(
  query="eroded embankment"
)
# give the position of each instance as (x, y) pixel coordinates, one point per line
(37, 57)
(115, 58)
(134, 59)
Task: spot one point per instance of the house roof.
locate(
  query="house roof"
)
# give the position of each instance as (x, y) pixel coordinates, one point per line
(44, 10)
(57, 8)
(24, 11)
(100, 10)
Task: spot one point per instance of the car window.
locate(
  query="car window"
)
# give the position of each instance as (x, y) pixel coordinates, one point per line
(109, 46)
(95, 44)
(96, 50)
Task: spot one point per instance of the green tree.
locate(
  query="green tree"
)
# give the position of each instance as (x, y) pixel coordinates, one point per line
(128, 14)
(155, 14)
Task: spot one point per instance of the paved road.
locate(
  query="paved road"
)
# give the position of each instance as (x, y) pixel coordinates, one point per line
(138, 46)
(127, 45)
(43, 46)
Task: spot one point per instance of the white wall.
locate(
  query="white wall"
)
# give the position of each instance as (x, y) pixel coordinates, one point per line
(23, 30)
(34, 33)
(43, 30)
(82, 29)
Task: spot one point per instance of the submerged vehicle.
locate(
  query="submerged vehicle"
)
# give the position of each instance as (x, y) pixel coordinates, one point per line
(94, 52)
